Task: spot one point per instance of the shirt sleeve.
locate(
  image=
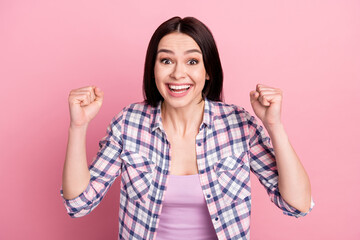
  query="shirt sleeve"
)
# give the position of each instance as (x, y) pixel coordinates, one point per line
(104, 169)
(263, 165)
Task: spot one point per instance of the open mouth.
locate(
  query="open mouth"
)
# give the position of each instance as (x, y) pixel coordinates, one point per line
(179, 88)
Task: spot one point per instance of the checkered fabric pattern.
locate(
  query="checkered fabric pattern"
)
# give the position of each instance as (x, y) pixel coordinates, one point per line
(229, 145)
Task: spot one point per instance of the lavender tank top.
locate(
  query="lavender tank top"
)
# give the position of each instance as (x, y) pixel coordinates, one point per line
(184, 212)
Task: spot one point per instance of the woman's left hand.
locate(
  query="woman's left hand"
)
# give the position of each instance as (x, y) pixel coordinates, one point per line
(266, 103)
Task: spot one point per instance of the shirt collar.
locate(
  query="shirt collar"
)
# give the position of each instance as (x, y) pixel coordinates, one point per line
(156, 118)
(208, 113)
(207, 118)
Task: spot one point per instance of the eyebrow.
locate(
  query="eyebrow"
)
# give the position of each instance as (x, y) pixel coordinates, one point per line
(186, 52)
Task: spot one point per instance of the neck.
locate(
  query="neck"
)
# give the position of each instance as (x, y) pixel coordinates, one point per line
(182, 121)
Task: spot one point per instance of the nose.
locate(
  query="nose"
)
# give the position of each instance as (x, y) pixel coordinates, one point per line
(179, 71)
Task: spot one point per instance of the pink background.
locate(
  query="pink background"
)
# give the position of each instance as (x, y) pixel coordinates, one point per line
(310, 49)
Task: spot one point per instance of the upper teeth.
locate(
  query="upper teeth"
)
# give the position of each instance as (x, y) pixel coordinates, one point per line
(177, 87)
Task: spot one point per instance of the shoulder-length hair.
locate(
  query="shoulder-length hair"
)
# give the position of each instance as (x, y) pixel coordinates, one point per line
(203, 37)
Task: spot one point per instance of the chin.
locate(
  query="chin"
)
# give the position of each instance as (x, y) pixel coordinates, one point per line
(181, 103)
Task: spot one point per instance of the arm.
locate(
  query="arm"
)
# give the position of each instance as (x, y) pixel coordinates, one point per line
(293, 182)
(84, 104)
(83, 188)
(76, 175)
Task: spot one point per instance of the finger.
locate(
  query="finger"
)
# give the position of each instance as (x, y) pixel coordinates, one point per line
(261, 87)
(269, 95)
(271, 92)
(87, 88)
(80, 93)
(83, 90)
(92, 93)
(89, 93)
(264, 101)
(85, 100)
(81, 99)
(98, 92)
(84, 95)
(254, 95)
(268, 90)
(259, 96)
(99, 95)
(268, 99)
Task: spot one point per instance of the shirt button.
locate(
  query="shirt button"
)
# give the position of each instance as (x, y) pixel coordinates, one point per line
(208, 196)
(199, 144)
(216, 218)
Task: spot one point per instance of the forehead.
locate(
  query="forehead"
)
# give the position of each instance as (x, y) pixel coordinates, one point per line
(178, 42)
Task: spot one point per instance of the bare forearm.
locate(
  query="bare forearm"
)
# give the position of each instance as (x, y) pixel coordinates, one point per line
(294, 184)
(76, 174)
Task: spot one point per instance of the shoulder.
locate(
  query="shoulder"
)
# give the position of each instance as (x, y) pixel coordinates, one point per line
(230, 112)
(134, 117)
(134, 111)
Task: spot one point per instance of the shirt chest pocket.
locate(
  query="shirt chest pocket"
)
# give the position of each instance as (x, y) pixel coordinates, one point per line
(233, 175)
(137, 175)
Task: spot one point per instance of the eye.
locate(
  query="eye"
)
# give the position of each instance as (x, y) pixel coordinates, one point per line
(193, 62)
(165, 61)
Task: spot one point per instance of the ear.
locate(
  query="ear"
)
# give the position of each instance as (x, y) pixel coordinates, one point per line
(207, 77)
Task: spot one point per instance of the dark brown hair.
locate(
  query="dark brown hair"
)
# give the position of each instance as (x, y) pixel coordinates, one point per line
(203, 37)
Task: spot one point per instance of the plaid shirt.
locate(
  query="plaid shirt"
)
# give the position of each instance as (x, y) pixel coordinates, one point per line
(229, 144)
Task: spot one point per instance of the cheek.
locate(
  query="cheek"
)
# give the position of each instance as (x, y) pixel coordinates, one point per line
(158, 78)
(200, 71)
(159, 72)
(156, 70)
(200, 75)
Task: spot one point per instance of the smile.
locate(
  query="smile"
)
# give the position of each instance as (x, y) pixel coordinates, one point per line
(178, 90)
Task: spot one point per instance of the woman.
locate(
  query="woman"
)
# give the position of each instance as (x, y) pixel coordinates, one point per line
(183, 156)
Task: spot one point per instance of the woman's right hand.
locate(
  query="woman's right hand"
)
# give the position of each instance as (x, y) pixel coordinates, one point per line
(84, 104)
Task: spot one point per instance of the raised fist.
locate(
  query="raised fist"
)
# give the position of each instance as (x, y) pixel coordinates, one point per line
(266, 103)
(84, 104)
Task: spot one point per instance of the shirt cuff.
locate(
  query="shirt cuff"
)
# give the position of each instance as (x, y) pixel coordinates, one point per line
(79, 205)
(291, 211)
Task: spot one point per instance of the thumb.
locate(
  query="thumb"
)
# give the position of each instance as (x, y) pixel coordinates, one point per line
(99, 95)
(254, 96)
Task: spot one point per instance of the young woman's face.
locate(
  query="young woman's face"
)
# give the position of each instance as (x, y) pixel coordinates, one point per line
(179, 70)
